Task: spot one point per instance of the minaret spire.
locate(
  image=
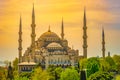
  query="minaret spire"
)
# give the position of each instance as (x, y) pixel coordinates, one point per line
(85, 21)
(20, 40)
(85, 35)
(33, 35)
(62, 30)
(33, 15)
(49, 29)
(103, 43)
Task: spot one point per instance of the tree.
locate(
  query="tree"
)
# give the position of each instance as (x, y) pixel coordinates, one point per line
(3, 74)
(83, 63)
(58, 72)
(104, 65)
(92, 65)
(21, 78)
(111, 63)
(69, 74)
(51, 72)
(39, 74)
(10, 72)
(101, 76)
(118, 77)
(15, 64)
(116, 59)
(25, 74)
(15, 74)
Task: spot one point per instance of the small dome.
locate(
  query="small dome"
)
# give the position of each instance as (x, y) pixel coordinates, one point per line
(54, 45)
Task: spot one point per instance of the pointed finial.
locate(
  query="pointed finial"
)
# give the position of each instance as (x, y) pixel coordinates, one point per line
(20, 24)
(84, 8)
(20, 17)
(49, 29)
(33, 10)
(102, 31)
(62, 29)
(33, 15)
(62, 19)
(85, 16)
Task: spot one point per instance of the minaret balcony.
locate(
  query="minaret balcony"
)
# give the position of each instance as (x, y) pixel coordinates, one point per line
(85, 36)
(85, 27)
(33, 25)
(85, 46)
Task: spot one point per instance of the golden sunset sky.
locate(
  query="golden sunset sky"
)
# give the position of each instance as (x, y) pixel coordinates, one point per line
(100, 13)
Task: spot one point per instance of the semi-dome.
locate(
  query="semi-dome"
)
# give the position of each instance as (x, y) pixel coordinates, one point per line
(54, 44)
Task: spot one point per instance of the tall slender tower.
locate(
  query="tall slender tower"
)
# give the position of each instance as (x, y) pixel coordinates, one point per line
(103, 43)
(20, 41)
(33, 35)
(85, 35)
(62, 30)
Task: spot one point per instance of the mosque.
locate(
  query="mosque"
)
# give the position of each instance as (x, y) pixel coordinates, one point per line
(49, 49)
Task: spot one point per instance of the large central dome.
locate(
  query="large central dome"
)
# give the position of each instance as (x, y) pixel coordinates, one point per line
(49, 36)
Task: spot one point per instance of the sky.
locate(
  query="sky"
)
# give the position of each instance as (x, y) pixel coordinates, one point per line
(100, 13)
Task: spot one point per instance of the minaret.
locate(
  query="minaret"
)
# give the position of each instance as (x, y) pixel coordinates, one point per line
(33, 35)
(62, 30)
(20, 41)
(103, 43)
(85, 36)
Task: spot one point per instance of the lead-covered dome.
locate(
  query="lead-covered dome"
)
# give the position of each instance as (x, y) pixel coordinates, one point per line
(49, 36)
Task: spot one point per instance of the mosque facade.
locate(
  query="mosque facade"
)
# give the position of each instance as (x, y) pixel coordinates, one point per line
(49, 49)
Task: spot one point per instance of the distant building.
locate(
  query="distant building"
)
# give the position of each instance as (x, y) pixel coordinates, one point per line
(109, 54)
(49, 49)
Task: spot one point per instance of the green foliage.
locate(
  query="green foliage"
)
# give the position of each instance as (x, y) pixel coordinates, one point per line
(58, 71)
(69, 74)
(39, 74)
(21, 78)
(93, 65)
(51, 72)
(111, 63)
(15, 74)
(118, 77)
(25, 74)
(101, 76)
(3, 74)
(83, 63)
(104, 65)
(15, 64)
(10, 72)
(116, 59)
